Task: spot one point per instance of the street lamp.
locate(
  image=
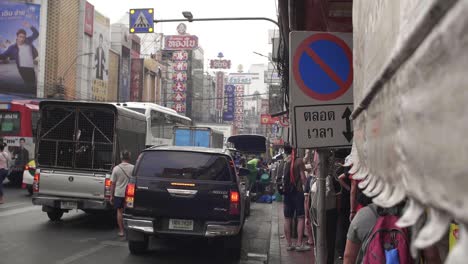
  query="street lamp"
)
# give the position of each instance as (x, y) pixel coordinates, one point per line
(188, 15)
(61, 78)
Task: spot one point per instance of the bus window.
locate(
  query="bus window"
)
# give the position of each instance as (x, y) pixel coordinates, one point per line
(9, 123)
(168, 127)
(157, 124)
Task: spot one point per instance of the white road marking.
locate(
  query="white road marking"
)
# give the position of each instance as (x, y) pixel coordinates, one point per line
(20, 210)
(81, 254)
(9, 205)
(261, 257)
(115, 243)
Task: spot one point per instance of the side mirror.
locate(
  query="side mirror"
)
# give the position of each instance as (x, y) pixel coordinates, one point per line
(243, 172)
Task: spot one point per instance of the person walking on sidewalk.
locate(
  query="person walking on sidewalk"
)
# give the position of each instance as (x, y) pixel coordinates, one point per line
(4, 166)
(120, 177)
(294, 179)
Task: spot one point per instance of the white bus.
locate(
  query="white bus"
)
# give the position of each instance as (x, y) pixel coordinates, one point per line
(160, 122)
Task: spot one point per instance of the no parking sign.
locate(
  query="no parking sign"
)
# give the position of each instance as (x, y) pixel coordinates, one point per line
(321, 96)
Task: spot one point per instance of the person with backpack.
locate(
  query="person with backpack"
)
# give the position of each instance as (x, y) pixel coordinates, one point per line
(293, 190)
(374, 238)
(121, 175)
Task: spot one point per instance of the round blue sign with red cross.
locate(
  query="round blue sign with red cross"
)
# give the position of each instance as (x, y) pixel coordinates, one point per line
(323, 67)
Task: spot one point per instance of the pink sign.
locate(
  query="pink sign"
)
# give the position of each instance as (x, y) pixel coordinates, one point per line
(220, 64)
(180, 56)
(179, 76)
(180, 66)
(180, 42)
(219, 90)
(179, 87)
(89, 19)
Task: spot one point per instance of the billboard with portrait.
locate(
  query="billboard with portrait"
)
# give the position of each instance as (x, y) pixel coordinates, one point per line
(19, 47)
(101, 45)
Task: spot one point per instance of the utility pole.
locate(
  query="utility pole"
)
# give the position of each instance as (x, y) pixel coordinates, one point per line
(321, 254)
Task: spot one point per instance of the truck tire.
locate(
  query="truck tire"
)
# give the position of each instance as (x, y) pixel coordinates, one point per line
(138, 247)
(233, 246)
(55, 215)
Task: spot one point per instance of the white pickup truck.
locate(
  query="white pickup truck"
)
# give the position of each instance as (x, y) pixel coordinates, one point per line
(78, 144)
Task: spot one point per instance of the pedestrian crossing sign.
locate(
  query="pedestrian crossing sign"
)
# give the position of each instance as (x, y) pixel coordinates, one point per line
(141, 20)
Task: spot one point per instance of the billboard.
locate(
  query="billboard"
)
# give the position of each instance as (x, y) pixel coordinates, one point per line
(124, 85)
(266, 119)
(136, 85)
(219, 90)
(229, 104)
(101, 46)
(180, 42)
(19, 47)
(220, 64)
(89, 19)
(239, 107)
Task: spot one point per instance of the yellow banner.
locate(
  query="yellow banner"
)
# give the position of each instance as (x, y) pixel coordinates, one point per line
(99, 90)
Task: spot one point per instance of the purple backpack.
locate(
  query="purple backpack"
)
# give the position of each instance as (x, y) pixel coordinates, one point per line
(387, 243)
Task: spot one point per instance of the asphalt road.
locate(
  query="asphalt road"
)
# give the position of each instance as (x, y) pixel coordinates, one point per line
(27, 236)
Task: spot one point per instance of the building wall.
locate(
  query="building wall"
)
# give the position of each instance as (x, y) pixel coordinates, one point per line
(114, 61)
(62, 46)
(195, 93)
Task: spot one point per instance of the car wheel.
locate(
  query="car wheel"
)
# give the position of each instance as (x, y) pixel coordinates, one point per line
(247, 208)
(233, 246)
(138, 247)
(55, 215)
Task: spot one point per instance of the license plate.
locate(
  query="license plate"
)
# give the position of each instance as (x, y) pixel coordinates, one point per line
(68, 205)
(181, 224)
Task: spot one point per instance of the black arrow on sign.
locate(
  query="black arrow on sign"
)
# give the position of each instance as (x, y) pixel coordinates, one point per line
(348, 133)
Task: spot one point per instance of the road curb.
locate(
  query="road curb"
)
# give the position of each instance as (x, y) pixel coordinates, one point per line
(274, 255)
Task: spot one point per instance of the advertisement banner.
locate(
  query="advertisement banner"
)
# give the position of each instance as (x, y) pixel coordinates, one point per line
(179, 87)
(219, 90)
(229, 92)
(178, 42)
(101, 45)
(239, 113)
(136, 85)
(266, 119)
(220, 64)
(89, 19)
(124, 91)
(19, 47)
(180, 66)
(180, 56)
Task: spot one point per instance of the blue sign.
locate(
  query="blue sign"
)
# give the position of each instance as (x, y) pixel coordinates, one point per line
(229, 91)
(142, 20)
(323, 67)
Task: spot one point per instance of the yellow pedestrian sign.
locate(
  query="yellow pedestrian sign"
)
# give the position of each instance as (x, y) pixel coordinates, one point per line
(142, 20)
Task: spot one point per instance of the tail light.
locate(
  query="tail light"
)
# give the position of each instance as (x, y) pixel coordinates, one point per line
(234, 199)
(37, 178)
(107, 189)
(130, 195)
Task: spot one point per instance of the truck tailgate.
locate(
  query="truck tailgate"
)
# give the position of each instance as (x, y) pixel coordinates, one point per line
(175, 199)
(72, 184)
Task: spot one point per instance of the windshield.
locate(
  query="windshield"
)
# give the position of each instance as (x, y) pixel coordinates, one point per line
(184, 165)
(10, 123)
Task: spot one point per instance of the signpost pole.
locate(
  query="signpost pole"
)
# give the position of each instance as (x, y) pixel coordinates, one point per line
(321, 212)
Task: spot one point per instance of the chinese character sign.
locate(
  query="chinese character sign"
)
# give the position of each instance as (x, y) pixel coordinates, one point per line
(229, 104)
(219, 90)
(239, 106)
(179, 78)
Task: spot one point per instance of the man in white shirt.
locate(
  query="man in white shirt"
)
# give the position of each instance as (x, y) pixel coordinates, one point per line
(24, 53)
(121, 175)
(100, 59)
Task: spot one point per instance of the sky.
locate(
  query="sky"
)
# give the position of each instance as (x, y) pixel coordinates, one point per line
(236, 39)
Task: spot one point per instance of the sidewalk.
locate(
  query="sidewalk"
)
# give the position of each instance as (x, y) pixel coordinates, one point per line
(278, 253)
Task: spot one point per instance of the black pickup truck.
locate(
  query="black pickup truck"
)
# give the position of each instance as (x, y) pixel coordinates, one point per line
(185, 192)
